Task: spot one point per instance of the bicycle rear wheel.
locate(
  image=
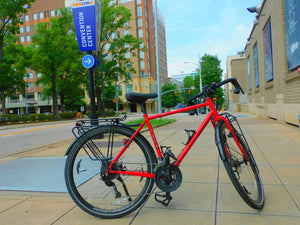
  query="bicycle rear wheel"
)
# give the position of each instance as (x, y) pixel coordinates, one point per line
(243, 171)
(87, 176)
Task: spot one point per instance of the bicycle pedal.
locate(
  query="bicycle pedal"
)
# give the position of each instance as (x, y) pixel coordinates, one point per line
(166, 198)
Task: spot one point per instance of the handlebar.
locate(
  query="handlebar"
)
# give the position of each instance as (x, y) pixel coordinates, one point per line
(209, 91)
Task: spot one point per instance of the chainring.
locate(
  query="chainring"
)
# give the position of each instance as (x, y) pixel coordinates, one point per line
(171, 183)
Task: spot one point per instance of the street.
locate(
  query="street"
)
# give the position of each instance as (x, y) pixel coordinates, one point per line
(23, 137)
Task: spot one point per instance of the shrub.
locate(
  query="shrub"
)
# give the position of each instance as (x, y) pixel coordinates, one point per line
(67, 115)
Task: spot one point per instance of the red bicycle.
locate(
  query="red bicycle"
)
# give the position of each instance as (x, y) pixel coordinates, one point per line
(111, 168)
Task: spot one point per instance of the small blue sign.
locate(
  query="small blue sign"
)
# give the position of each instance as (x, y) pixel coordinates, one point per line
(88, 61)
(84, 15)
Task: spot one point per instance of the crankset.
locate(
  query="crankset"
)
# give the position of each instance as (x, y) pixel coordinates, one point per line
(168, 179)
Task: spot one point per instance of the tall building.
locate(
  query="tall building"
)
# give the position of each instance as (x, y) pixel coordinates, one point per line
(142, 26)
(268, 68)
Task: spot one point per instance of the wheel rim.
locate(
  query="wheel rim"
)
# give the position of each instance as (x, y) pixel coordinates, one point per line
(241, 167)
(98, 195)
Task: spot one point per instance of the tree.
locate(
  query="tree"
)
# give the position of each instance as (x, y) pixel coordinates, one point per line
(170, 99)
(211, 72)
(12, 68)
(10, 12)
(189, 82)
(54, 47)
(115, 45)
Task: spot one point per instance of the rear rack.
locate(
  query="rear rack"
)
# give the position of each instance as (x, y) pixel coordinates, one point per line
(82, 126)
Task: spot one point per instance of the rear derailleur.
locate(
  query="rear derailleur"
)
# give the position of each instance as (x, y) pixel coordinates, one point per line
(167, 176)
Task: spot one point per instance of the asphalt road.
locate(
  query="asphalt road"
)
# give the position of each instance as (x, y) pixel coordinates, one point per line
(23, 137)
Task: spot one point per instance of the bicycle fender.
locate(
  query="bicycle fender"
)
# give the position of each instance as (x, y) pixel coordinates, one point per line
(218, 140)
(70, 146)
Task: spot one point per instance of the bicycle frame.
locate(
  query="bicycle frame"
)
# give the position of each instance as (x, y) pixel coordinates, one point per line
(213, 116)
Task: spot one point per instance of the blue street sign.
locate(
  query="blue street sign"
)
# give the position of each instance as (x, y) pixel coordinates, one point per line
(88, 61)
(84, 16)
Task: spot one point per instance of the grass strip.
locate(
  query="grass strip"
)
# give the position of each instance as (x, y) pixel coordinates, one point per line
(154, 123)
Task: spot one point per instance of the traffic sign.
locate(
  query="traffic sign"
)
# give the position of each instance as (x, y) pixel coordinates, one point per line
(84, 15)
(88, 61)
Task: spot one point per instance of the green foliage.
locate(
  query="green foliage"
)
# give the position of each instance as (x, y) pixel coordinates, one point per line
(115, 45)
(212, 72)
(14, 118)
(56, 55)
(169, 99)
(12, 68)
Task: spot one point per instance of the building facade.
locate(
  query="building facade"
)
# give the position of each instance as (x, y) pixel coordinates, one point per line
(268, 66)
(141, 26)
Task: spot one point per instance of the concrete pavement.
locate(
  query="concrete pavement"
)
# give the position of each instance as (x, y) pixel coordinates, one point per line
(206, 195)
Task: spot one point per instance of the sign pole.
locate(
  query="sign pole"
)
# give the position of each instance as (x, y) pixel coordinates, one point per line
(93, 115)
(87, 22)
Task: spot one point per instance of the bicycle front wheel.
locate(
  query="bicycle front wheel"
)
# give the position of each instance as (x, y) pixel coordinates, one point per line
(92, 187)
(241, 169)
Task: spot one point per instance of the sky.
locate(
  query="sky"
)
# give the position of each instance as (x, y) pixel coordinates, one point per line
(196, 27)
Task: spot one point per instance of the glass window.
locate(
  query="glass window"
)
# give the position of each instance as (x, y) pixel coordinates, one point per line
(140, 22)
(124, 1)
(107, 46)
(28, 38)
(40, 97)
(139, 11)
(249, 73)
(125, 32)
(142, 64)
(35, 16)
(140, 33)
(142, 54)
(52, 13)
(126, 24)
(41, 15)
(26, 18)
(21, 30)
(59, 12)
(142, 45)
(30, 85)
(127, 45)
(113, 35)
(129, 88)
(27, 28)
(22, 39)
(256, 65)
(30, 75)
(129, 74)
(127, 55)
(107, 57)
(39, 75)
(138, 2)
(268, 52)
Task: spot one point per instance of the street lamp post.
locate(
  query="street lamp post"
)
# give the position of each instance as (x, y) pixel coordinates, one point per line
(202, 110)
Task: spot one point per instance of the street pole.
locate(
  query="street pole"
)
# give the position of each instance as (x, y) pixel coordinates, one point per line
(92, 95)
(102, 84)
(157, 61)
(200, 81)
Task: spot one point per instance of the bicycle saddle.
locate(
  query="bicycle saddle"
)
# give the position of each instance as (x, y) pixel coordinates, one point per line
(139, 97)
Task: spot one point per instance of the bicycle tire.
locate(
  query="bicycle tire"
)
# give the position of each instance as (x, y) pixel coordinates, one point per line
(242, 171)
(84, 177)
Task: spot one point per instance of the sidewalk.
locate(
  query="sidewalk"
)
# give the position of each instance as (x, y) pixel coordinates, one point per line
(206, 195)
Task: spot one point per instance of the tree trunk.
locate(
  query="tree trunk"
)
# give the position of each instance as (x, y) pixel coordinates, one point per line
(54, 95)
(62, 102)
(3, 102)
